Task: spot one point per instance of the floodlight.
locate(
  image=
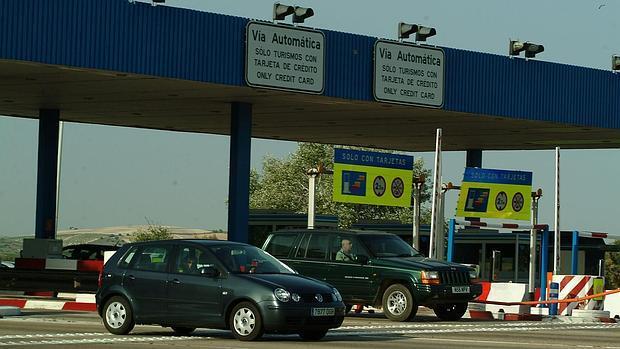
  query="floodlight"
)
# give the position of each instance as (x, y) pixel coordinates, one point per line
(301, 13)
(515, 47)
(404, 30)
(281, 11)
(615, 63)
(531, 50)
(424, 32)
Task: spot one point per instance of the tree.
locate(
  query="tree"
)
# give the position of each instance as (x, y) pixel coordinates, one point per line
(612, 269)
(152, 232)
(283, 185)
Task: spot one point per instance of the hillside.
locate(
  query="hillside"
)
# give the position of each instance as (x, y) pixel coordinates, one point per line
(10, 246)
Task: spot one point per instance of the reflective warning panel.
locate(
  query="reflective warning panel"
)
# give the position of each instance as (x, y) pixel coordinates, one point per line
(488, 193)
(365, 177)
(284, 57)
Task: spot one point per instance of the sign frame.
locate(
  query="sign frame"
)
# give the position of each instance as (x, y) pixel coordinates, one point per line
(407, 44)
(284, 26)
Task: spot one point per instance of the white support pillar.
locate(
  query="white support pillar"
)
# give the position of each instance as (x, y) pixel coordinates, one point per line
(556, 227)
(436, 194)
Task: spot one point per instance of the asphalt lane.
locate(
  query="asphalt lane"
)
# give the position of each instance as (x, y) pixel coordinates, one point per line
(49, 329)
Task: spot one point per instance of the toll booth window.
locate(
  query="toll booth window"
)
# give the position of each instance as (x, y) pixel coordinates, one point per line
(152, 258)
(281, 245)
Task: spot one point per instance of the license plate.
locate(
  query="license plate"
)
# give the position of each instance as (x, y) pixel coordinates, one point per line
(460, 289)
(323, 311)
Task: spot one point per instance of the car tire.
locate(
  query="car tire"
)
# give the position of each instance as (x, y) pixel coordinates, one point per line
(450, 312)
(398, 303)
(246, 322)
(118, 315)
(313, 335)
(183, 331)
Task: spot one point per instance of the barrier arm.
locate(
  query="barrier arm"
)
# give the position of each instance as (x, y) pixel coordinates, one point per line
(572, 300)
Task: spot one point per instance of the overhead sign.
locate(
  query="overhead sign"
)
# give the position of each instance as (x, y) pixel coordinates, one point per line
(408, 74)
(365, 177)
(488, 193)
(287, 58)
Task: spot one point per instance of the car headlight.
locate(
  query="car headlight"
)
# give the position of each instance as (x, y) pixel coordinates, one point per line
(295, 297)
(473, 274)
(337, 295)
(430, 277)
(282, 295)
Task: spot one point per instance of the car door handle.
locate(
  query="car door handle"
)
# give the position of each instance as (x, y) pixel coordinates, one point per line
(175, 281)
(131, 277)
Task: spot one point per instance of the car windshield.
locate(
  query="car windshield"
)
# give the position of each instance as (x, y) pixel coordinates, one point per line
(242, 259)
(388, 246)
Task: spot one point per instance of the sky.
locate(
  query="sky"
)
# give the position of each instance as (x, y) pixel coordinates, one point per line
(113, 176)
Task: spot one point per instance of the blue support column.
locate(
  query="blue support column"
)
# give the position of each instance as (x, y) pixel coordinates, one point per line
(575, 253)
(451, 232)
(45, 219)
(544, 261)
(239, 182)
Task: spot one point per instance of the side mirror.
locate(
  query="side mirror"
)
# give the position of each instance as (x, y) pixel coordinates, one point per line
(210, 272)
(363, 260)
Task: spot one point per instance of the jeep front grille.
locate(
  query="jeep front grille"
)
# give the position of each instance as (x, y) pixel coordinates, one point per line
(454, 277)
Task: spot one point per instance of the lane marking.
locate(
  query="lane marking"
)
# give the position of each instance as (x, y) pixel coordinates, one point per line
(522, 344)
(469, 330)
(468, 326)
(101, 340)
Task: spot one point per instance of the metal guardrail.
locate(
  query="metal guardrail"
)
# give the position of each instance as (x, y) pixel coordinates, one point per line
(48, 280)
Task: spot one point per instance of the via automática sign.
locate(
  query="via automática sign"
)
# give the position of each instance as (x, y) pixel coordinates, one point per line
(408, 74)
(284, 57)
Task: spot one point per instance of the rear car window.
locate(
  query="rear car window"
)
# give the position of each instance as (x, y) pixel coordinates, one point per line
(127, 258)
(281, 245)
(152, 258)
(316, 248)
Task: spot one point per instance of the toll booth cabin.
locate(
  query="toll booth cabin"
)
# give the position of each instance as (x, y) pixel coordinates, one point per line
(476, 246)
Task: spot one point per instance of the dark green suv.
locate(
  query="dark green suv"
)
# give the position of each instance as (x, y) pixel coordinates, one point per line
(378, 269)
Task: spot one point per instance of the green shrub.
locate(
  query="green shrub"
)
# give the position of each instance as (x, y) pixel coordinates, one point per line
(152, 232)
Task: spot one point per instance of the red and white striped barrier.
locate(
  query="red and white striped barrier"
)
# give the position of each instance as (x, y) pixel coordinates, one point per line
(575, 286)
(58, 264)
(593, 235)
(504, 292)
(612, 305)
(501, 225)
(47, 304)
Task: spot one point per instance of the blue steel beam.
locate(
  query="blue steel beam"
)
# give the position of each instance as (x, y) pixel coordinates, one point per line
(45, 219)
(118, 36)
(239, 181)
